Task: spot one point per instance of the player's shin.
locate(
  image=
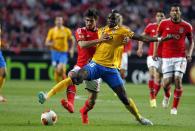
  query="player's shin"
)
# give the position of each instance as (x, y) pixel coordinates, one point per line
(59, 87)
(71, 92)
(133, 109)
(57, 77)
(2, 80)
(177, 95)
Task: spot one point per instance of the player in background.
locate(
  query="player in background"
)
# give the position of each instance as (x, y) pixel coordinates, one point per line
(103, 64)
(174, 54)
(154, 67)
(2, 68)
(57, 40)
(84, 36)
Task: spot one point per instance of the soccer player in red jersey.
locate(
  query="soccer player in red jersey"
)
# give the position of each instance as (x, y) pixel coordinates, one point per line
(174, 56)
(154, 67)
(84, 36)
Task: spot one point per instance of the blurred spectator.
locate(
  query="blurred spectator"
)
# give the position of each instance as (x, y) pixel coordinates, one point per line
(25, 22)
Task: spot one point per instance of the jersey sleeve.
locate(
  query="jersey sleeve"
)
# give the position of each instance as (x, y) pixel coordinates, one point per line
(147, 29)
(69, 32)
(130, 33)
(49, 35)
(160, 28)
(80, 35)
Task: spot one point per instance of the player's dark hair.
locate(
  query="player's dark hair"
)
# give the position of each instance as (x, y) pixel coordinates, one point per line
(91, 13)
(175, 5)
(159, 11)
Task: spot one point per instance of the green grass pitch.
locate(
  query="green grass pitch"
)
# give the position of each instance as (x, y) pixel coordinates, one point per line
(22, 111)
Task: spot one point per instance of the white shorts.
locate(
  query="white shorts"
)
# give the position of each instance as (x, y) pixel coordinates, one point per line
(124, 61)
(93, 85)
(156, 64)
(174, 67)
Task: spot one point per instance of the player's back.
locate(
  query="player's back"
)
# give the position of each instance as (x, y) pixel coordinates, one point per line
(85, 54)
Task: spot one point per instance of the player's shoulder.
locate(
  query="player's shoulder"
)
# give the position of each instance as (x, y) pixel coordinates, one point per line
(186, 23)
(125, 28)
(165, 21)
(81, 30)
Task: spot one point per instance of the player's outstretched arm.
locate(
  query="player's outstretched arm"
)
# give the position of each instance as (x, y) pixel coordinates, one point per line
(87, 44)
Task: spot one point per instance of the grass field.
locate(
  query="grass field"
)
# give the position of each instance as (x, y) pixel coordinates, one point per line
(22, 111)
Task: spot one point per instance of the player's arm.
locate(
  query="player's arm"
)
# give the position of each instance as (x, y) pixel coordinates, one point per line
(140, 47)
(87, 44)
(191, 47)
(155, 51)
(72, 43)
(48, 41)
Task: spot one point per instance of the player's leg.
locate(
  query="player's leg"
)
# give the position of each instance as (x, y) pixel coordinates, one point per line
(93, 88)
(151, 67)
(168, 74)
(180, 68)
(70, 92)
(86, 73)
(124, 66)
(113, 79)
(2, 76)
(157, 81)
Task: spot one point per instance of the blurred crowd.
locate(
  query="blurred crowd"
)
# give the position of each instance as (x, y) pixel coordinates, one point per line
(25, 22)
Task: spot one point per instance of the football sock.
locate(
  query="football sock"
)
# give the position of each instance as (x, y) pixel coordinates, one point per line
(177, 94)
(71, 92)
(59, 86)
(156, 88)
(167, 91)
(87, 107)
(151, 88)
(2, 80)
(133, 109)
(57, 77)
(64, 73)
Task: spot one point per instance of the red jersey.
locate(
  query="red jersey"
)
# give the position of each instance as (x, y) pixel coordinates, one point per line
(174, 47)
(85, 54)
(151, 30)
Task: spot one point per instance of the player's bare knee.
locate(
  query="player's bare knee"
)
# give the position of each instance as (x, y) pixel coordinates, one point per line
(178, 82)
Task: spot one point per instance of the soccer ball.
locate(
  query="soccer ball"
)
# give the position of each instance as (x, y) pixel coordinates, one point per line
(48, 117)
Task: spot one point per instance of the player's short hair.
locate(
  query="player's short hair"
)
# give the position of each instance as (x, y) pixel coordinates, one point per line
(175, 5)
(91, 13)
(159, 11)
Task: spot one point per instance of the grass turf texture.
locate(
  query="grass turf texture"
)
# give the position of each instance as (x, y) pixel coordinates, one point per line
(22, 111)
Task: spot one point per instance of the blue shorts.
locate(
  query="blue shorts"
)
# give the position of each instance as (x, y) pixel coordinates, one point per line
(110, 75)
(59, 57)
(2, 61)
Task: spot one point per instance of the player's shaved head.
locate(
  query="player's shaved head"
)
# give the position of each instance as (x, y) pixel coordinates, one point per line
(113, 19)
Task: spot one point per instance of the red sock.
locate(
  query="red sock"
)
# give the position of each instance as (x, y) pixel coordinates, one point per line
(71, 91)
(150, 86)
(177, 95)
(156, 88)
(167, 91)
(87, 107)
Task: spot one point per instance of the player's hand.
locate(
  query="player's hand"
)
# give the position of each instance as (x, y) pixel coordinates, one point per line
(140, 52)
(155, 57)
(168, 37)
(106, 37)
(49, 44)
(126, 40)
(71, 52)
(189, 58)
